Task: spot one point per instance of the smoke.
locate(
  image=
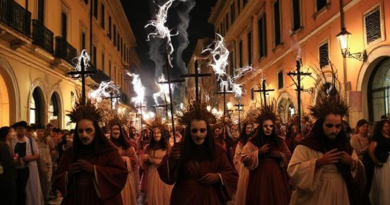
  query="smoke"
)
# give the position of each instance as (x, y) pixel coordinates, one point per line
(182, 38)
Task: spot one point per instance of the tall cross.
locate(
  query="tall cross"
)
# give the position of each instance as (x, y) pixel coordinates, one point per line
(224, 93)
(83, 73)
(239, 106)
(112, 97)
(264, 90)
(163, 106)
(299, 74)
(197, 75)
(140, 107)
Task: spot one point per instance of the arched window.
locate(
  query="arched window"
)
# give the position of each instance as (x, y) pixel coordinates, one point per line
(53, 108)
(379, 91)
(36, 107)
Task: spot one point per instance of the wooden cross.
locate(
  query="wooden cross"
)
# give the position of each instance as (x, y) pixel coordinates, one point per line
(197, 75)
(264, 90)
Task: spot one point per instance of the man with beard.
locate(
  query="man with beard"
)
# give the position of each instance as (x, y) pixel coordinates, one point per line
(324, 168)
(92, 171)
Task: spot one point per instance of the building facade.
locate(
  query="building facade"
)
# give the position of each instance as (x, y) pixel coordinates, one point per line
(39, 41)
(271, 35)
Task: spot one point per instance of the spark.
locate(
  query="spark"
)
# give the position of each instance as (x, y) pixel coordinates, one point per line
(84, 57)
(161, 31)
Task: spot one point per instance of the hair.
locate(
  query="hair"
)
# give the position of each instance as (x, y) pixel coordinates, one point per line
(163, 143)
(209, 142)
(360, 123)
(3, 133)
(98, 140)
(379, 126)
(243, 136)
(121, 139)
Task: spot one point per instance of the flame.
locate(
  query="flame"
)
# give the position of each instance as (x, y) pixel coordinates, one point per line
(139, 89)
(161, 30)
(164, 91)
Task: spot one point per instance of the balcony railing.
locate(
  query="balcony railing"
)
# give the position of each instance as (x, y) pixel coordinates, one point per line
(64, 50)
(99, 76)
(15, 16)
(42, 36)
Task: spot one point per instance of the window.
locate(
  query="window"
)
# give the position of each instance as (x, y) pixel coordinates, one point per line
(86, 1)
(63, 25)
(109, 27)
(103, 17)
(277, 29)
(250, 48)
(114, 35)
(36, 107)
(53, 108)
(373, 26)
(296, 15)
(240, 54)
(227, 22)
(324, 55)
(231, 63)
(82, 40)
(238, 7)
(321, 4)
(280, 80)
(95, 8)
(41, 11)
(232, 13)
(262, 36)
(244, 2)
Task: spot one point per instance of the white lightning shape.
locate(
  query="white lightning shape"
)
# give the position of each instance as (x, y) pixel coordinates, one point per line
(106, 89)
(220, 57)
(161, 31)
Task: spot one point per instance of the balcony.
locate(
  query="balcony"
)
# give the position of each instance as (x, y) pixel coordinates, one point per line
(42, 36)
(15, 16)
(64, 50)
(99, 76)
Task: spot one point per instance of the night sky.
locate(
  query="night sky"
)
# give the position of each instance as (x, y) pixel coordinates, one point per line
(139, 12)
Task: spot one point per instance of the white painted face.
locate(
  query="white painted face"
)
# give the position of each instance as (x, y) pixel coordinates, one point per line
(332, 126)
(198, 131)
(86, 131)
(157, 134)
(268, 126)
(115, 131)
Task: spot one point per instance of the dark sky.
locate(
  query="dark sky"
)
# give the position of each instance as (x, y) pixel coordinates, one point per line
(139, 12)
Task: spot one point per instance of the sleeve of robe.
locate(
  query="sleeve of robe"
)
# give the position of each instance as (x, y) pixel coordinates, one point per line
(302, 169)
(237, 156)
(228, 174)
(166, 174)
(252, 151)
(111, 178)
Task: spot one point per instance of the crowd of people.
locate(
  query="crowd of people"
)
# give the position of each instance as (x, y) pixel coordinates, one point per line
(262, 162)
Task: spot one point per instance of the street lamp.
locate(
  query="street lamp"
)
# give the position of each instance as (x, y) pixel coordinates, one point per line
(343, 39)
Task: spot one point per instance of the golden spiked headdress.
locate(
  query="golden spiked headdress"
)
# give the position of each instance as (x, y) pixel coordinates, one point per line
(85, 111)
(266, 112)
(328, 98)
(156, 122)
(196, 111)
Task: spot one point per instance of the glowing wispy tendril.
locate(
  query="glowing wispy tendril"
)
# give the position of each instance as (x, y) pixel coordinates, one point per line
(106, 89)
(164, 91)
(220, 57)
(161, 31)
(83, 57)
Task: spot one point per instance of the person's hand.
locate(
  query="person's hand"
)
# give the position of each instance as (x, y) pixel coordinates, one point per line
(27, 158)
(175, 153)
(145, 157)
(73, 169)
(345, 158)
(379, 164)
(331, 157)
(246, 160)
(264, 149)
(209, 179)
(84, 165)
(16, 157)
(276, 154)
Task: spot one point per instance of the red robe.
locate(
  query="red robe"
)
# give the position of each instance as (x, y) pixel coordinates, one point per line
(104, 187)
(188, 190)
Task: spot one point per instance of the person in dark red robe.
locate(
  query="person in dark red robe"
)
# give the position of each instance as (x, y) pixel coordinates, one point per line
(92, 171)
(266, 155)
(198, 167)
